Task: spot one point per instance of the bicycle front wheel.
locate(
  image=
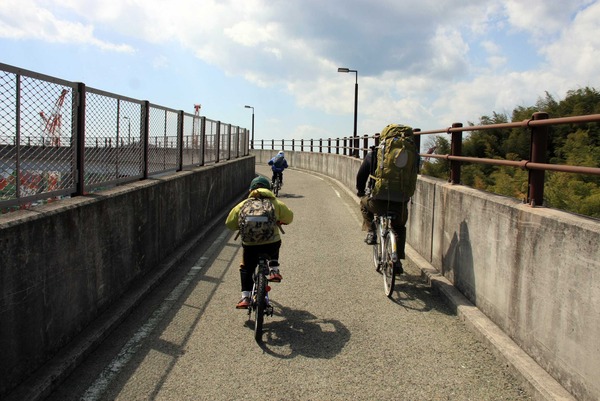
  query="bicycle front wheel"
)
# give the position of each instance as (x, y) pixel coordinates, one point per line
(389, 265)
(260, 306)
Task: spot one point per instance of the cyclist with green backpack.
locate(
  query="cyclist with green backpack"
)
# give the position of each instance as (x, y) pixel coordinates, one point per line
(391, 170)
(258, 218)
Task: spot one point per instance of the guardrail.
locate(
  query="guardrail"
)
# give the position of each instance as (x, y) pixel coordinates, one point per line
(61, 138)
(537, 164)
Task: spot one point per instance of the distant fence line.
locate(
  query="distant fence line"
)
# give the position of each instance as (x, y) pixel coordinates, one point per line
(537, 165)
(61, 138)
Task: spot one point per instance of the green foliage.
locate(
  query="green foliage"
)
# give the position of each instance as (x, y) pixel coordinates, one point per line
(577, 145)
(439, 168)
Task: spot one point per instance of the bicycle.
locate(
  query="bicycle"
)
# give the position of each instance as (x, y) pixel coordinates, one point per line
(385, 255)
(276, 186)
(260, 304)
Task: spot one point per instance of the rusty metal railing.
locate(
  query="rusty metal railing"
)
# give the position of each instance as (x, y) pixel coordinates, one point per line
(537, 164)
(61, 138)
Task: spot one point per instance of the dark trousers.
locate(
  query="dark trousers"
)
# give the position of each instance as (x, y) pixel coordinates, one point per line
(277, 174)
(369, 207)
(250, 260)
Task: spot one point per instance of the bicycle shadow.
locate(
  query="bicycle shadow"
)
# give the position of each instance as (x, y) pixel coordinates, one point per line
(412, 292)
(301, 333)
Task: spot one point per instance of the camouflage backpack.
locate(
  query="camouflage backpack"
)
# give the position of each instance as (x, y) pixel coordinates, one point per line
(396, 164)
(257, 220)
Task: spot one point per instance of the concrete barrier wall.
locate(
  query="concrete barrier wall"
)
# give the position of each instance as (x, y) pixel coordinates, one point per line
(64, 263)
(533, 271)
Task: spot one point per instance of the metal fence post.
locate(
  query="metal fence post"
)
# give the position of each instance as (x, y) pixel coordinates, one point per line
(337, 146)
(455, 150)
(218, 142)
(145, 121)
(329, 145)
(321, 145)
(417, 139)
(203, 140)
(180, 140)
(292, 145)
(365, 145)
(80, 138)
(539, 145)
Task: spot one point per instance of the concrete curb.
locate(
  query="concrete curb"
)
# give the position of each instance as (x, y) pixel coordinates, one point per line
(532, 376)
(537, 380)
(41, 384)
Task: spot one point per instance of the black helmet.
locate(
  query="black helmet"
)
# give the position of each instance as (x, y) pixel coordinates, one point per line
(260, 182)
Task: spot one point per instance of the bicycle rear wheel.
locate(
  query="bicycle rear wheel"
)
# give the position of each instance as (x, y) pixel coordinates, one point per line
(389, 264)
(276, 186)
(260, 306)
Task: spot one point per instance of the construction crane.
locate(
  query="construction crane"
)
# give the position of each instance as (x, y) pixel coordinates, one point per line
(51, 125)
(196, 126)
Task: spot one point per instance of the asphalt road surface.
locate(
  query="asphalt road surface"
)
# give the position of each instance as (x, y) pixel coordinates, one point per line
(334, 334)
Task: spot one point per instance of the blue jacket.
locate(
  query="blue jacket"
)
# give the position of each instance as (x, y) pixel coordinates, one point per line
(279, 169)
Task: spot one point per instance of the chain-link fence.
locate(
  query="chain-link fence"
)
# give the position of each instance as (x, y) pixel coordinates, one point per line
(61, 138)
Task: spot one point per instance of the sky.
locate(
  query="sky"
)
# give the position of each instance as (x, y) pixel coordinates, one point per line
(423, 63)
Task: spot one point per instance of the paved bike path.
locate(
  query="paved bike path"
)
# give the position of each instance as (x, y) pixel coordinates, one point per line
(334, 335)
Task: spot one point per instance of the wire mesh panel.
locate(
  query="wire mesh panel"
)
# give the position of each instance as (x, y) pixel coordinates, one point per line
(36, 136)
(225, 138)
(113, 145)
(163, 152)
(242, 141)
(192, 140)
(40, 134)
(234, 143)
(211, 144)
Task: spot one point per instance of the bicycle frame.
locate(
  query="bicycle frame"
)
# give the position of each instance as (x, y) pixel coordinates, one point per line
(385, 253)
(276, 186)
(384, 228)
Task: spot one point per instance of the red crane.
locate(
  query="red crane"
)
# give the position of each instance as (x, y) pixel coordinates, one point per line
(52, 124)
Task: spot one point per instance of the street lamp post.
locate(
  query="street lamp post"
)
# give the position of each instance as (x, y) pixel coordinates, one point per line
(252, 140)
(128, 127)
(341, 69)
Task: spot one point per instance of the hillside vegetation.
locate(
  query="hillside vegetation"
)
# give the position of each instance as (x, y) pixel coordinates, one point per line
(572, 144)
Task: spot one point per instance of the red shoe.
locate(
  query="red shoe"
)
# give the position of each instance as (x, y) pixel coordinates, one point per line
(244, 303)
(274, 277)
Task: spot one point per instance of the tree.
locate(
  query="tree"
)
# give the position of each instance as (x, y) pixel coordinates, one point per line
(437, 167)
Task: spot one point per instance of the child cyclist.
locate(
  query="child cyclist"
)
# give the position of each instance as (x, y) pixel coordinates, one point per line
(262, 237)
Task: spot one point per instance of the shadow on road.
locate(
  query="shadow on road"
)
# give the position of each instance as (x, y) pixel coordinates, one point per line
(302, 333)
(413, 293)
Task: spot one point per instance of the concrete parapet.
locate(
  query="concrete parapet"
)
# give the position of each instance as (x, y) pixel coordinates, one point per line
(64, 263)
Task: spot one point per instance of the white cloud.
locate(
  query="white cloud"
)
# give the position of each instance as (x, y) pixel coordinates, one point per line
(426, 62)
(26, 20)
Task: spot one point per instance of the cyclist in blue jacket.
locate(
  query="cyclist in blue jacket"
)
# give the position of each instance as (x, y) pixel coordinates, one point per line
(278, 164)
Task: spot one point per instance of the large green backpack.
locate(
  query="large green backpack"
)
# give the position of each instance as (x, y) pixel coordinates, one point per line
(396, 164)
